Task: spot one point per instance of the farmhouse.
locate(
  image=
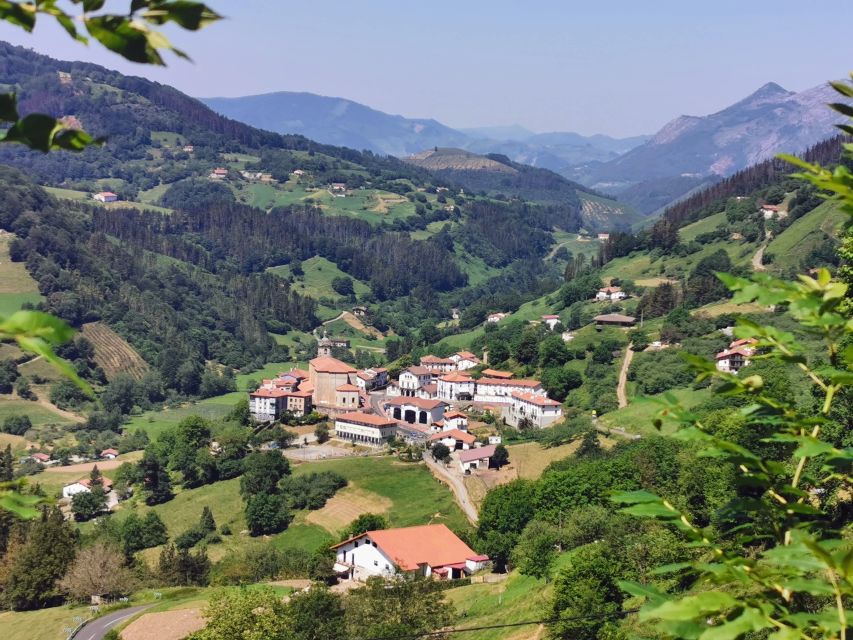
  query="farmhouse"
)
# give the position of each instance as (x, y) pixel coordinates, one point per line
(538, 409)
(496, 317)
(770, 211)
(109, 454)
(365, 428)
(85, 486)
(188, 148)
(551, 321)
(476, 458)
(610, 293)
(427, 550)
(41, 458)
(454, 439)
(736, 356)
(415, 410)
(220, 173)
(105, 196)
(338, 189)
(614, 320)
(604, 236)
(465, 360)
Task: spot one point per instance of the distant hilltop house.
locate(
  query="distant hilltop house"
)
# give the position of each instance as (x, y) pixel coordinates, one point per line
(109, 454)
(359, 311)
(71, 122)
(432, 550)
(220, 173)
(496, 317)
(614, 320)
(603, 236)
(85, 486)
(257, 176)
(298, 172)
(41, 458)
(338, 189)
(770, 211)
(551, 321)
(610, 293)
(105, 196)
(736, 357)
(188, 148)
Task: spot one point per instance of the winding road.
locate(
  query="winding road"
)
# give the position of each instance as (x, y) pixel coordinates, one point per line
(99, 627)
(621, 394)
(456, 485)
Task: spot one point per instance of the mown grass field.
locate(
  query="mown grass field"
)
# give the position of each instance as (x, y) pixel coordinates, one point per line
(12, 405)
(155, 422)
(44, 624)
(637, 417)
(795, 243)
(705, 225)
(71, 194)
(317, 281)
(17, 286)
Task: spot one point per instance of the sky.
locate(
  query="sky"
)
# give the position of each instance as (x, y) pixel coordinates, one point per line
(620, 68)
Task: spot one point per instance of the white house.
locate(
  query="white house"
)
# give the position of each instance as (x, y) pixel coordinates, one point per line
(84, 486)
(220, 173)
(496, 317)
(736, 356)
(438, 365)
(456, 386)
(374, 378)
(415, 410)
(413, 379)
(495, 439)
(365, 428)
(603, 236)
(427, 550)
(610, 293)
(491, 390)
(109, 454)
(188, 148)
(539, 409)
(465, 360)
(105, 196)
(41, 458)
(455, 420)
(454, 439)
(476, 458)
(551, 321)
(770, 211)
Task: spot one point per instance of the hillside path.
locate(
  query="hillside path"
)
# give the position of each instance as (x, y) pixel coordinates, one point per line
(98, 628)
(758, 258)
(456, 485)
(73, 417)
(621, 395)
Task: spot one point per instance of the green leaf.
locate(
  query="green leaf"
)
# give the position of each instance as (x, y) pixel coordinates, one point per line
(648, 592)
(749, 620)
(17, 14)
(189, 15)
(634, 497)
(130, 40)
(692, 607)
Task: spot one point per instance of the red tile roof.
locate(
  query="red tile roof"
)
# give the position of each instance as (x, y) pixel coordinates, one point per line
(456, 434)
(457, 376)
(550, 317)
(109, 452)
(269, 393)
(411, 547)
(509, 383)
(436, 360)
(421, 403)
(347, 388)
(454, 414)
(328, 364)
(41, 457)
(477, 454)
(419, 371)
(369, 419)
(467, 355)
(494, 373)
(87, 482)
(533, 398)
(731, 352)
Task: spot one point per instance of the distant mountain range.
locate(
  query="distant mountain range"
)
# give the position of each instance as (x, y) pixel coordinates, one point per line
(346, 123)
(693, 150)
(646, 172)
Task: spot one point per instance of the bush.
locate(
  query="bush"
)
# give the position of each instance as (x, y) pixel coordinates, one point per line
(17, 425)
(312, 490)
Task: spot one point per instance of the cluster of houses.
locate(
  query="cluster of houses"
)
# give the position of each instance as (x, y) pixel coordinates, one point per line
(736, 357)
(257, 176)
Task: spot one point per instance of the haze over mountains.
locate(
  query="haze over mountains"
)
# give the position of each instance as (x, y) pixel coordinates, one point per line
(647, 172)
(346, 123)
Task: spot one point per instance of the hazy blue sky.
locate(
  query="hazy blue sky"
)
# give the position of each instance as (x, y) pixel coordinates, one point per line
(620, 67)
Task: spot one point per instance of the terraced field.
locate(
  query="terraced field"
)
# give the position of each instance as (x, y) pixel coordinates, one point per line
(112, 352)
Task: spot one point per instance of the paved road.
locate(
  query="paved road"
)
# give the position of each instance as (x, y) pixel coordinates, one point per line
(621, 394)
(456, 485)
(98, 628)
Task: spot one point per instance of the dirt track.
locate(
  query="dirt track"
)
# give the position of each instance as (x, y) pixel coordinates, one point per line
(103, 465)
(621, 394)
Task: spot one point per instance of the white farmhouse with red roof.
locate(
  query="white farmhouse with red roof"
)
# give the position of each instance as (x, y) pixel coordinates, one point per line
(105, 196)
(610, 293)
(736, 356)
(85, 486)
(427, 550)
(537, 409)
(551, 321)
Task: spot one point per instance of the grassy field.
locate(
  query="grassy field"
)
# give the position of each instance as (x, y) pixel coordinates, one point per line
(44, 624)
(155, 422)
(517, 599)
(17, 286)
(638, 415)
(38, 414)
(705, 225)
(71, 194)
(795, 243)
(407, 494)
(317, 281)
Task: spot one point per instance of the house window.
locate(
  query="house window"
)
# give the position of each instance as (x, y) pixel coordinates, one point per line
(376, 563)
